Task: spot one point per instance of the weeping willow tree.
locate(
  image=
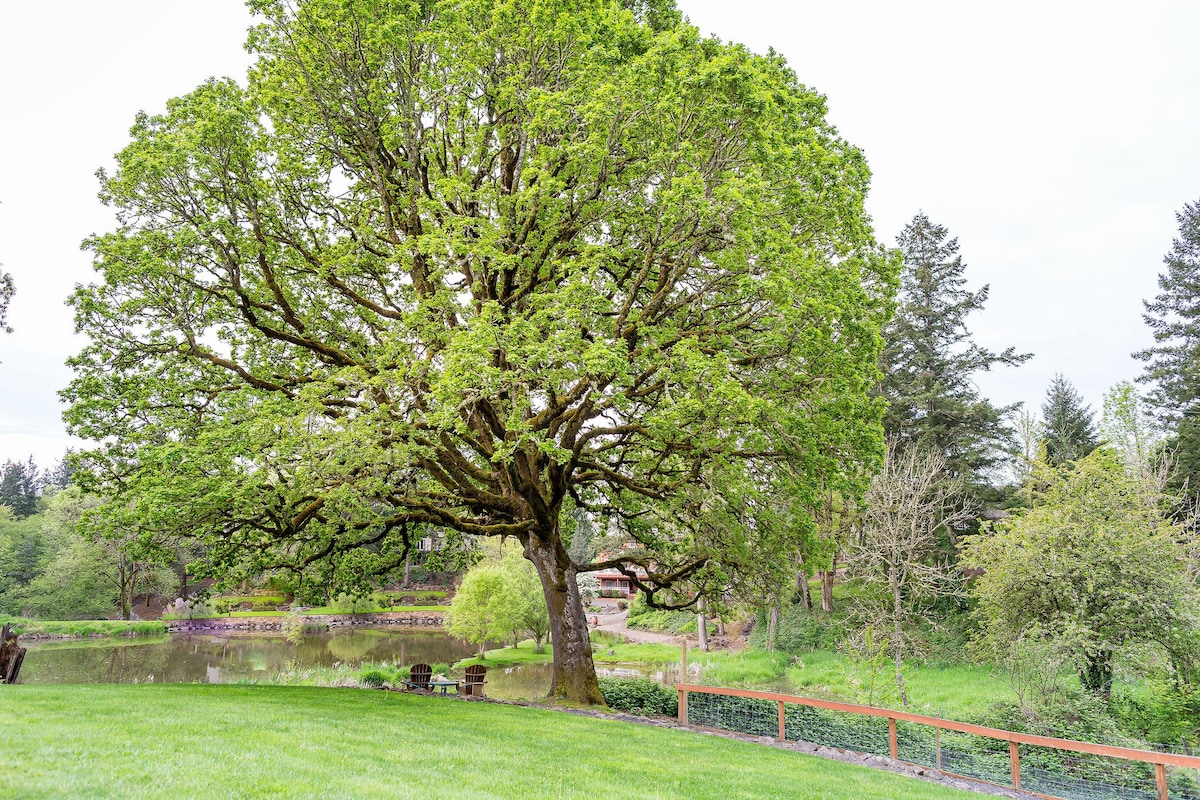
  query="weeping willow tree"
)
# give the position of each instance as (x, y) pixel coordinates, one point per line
(473, 266)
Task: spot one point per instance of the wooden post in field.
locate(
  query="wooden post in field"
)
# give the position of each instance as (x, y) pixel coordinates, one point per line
(683, 708)
(1014, 764)
(683, 673)
(782, 723)
(1160, 780)
(892, 738)
(937, 747)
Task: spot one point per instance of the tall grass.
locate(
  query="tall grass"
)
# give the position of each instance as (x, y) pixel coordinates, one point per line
(84, 627)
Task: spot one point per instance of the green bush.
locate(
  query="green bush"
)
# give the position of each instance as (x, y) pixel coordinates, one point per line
(1158, 711)
(353, 604)
(373, 677)
(642, 617)
(641, 696)
(801, 630)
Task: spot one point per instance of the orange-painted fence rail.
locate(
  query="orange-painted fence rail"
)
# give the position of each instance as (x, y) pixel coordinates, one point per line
(1159, 761)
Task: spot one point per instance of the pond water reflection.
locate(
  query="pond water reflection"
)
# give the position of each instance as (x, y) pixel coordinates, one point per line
(230, 658)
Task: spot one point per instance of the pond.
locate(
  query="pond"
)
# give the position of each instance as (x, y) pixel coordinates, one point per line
(232, 658)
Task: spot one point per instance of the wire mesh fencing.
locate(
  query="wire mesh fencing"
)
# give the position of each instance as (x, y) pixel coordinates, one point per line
(1047, 766)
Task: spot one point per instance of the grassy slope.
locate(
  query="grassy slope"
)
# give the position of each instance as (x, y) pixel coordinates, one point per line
(230, 741)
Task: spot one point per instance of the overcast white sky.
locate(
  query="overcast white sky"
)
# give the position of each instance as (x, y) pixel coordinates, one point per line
(1056, 140)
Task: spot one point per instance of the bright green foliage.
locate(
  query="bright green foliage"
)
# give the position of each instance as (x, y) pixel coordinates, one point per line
(640, 696)
(500, 600)
(1127, 426)
(52, 569)
(451, 263)
(1069, 431)
(1173, 363)
(929, 361)
(478, 612)
(1096, 565)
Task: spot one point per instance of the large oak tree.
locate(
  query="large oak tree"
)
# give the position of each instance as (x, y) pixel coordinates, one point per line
(474, 264)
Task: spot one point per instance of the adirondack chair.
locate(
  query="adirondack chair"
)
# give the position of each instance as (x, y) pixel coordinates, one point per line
(473, 685)
(418, 677)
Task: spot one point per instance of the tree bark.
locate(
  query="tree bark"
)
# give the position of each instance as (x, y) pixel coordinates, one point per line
(827, 590)
(701, 625)
(802, 587)
(11, 656)
(407, 570)
(574, 677)
(898, 637)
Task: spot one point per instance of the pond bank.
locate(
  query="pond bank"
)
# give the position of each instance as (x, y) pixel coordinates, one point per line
(418, 619)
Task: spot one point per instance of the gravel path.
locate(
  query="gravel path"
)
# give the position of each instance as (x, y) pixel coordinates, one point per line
(615, 623)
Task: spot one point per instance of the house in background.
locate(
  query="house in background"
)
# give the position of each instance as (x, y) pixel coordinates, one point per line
(614, 584)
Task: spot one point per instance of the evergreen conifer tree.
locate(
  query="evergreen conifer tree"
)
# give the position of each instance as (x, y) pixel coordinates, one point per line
(19, 487)
(1070, 426)
(929, 358)
(1173, 363)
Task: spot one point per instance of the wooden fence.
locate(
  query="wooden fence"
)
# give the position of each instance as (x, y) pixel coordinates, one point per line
(1159, 760)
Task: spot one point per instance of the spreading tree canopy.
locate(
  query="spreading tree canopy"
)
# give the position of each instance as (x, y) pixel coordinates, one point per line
(1097, 564)
(1069, 431)
(470, 265)
(1173, 363)
(930, 359)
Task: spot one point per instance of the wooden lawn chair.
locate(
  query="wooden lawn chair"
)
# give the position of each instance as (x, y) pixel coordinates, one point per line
(473, 685)
(418, 677)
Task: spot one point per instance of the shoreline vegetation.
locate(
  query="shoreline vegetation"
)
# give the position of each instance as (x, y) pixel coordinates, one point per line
(37, 629)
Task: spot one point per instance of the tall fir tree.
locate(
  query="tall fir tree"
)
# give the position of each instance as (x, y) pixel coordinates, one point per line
(1173, 364)
(929, 359)
(1070, 426)
(19, 487)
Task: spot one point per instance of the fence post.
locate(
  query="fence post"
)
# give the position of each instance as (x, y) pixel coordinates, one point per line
(1160, 780)
(683, 707)
(1014, 764)
(782, 723)
(937, 748)
(892, 738)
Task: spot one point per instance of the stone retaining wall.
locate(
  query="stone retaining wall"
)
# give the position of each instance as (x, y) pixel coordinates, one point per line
(424, 619)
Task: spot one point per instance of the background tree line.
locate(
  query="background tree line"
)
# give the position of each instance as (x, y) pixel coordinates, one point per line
(54, 566)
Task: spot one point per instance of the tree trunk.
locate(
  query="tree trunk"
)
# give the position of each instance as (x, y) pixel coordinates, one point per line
(827, 590)
(407, 569)
(701, 625)
(11, 656)
(802, 587)
(772, 625)
(574, 678)
(123, 591)
(898, 638)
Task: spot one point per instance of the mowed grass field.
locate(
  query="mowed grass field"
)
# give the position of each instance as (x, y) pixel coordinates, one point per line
(179, 741)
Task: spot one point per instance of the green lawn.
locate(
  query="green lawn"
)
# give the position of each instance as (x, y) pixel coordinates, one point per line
(606, 649)
(257, 741)
(378, 609)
